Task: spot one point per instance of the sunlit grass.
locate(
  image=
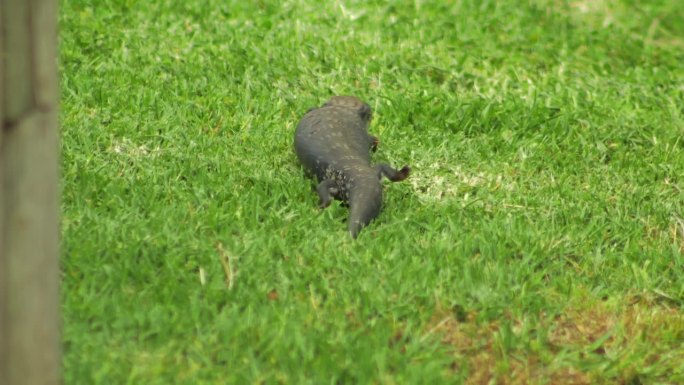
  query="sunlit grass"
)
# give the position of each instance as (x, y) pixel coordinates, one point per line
(539, 238)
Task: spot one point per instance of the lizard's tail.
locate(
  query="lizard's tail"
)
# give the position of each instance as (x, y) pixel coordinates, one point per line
(364, 204)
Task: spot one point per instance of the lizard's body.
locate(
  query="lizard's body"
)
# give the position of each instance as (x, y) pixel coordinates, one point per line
(333, 143)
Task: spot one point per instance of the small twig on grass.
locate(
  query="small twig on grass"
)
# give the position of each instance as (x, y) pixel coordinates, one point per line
(226, 262)
(680, 222)
(434, 329)
(512, 206)
(678, 229)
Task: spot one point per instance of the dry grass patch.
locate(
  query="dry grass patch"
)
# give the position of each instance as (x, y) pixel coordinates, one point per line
(589, 342)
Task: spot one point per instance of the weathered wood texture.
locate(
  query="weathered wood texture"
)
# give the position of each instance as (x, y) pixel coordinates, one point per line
(29, 266)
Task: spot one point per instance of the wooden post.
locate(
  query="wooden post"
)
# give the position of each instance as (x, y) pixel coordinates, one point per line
(29, 266)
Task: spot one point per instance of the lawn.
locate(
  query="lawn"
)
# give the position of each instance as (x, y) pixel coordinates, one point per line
(539, 239)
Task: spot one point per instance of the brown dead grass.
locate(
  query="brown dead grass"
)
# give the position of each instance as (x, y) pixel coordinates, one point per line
(631, 335)
(486, 365)
(582, 328)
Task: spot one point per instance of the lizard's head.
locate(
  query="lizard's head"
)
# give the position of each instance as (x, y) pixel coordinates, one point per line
(352, 103)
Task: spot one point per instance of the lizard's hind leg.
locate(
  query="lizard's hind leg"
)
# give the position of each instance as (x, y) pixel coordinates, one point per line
(326, 190)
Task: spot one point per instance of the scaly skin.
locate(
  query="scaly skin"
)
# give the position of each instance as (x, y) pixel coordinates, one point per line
(333, 144)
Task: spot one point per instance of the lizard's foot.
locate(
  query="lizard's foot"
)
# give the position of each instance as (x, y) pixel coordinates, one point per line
(392, 174)
(326, 190)
(403, 173)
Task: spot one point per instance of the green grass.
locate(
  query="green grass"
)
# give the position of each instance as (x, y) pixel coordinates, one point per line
(540, 238)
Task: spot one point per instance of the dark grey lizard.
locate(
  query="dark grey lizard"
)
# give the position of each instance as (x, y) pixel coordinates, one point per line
(333, 144)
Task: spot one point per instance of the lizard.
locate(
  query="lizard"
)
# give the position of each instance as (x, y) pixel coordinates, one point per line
(333, 144)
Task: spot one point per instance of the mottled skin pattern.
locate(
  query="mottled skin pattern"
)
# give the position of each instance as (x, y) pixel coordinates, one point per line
(334, 145)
